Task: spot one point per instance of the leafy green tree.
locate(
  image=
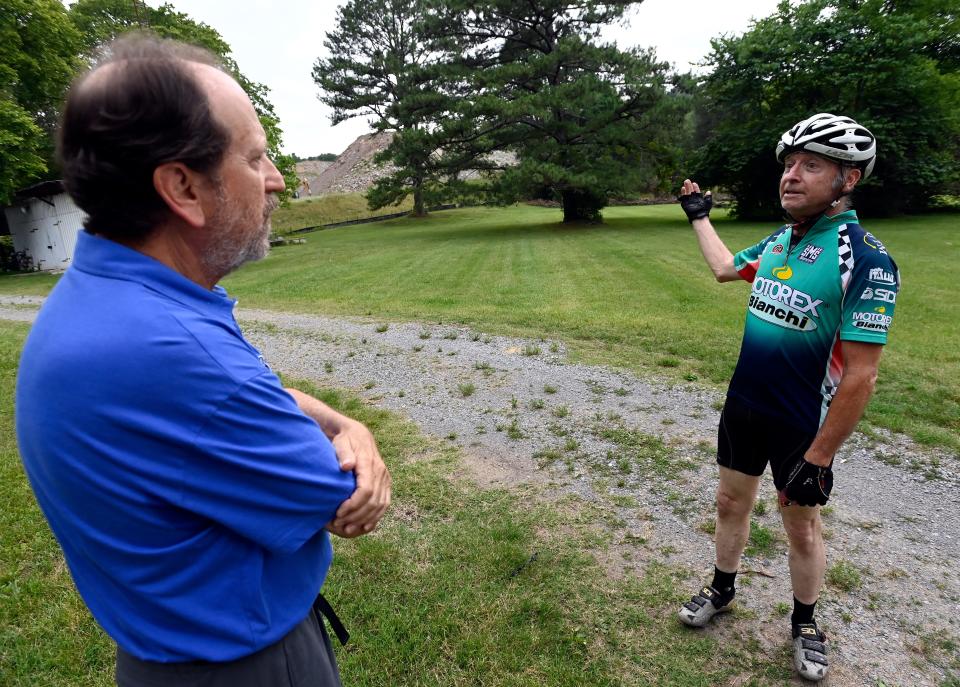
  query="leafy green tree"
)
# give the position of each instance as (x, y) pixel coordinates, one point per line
(892, 66)
(384, 64)
(100, 21)
(38, 47)
(586, 119)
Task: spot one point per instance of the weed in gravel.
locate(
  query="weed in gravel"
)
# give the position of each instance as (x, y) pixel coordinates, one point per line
(561, 411)
(682, 503)
(424, 334)
(845, 576)
(826, 511)
(483, 366)
(718, 404)
(452, 436)
(547, 389)
(350, 354)
(531, 349)
(401, 393)
(571, 444)
(708, 526)
(514, 403)
(554, 347)
(479, 429)
(451, 353)
(514, 431)
(547, 456)
(328, 367)
(369, 385)
(596, 387)
(890, 460)
(846, 617)
(651, 455)
(537, 404)
(475, 336)
(668, 421)
(782, 608)
(381, 328)
(417, 348)
(467, 389)
(761, 542)
(621, 391)
(363, 340)
(486, 339)
(942, 649)
(557, 430)
(450, 335)
(760, 507)
(253, 327)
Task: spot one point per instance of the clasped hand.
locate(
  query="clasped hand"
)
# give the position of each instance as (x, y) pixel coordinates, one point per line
(357, 451)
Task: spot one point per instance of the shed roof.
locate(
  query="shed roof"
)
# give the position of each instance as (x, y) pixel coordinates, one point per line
(44, 189)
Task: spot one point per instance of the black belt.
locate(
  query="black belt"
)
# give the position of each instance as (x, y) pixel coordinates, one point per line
(322, 607)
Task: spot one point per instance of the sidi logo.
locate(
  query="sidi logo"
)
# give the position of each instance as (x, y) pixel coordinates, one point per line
(885, 295)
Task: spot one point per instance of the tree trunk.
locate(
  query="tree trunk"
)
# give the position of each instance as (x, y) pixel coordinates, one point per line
(579, 206)
(418, 209)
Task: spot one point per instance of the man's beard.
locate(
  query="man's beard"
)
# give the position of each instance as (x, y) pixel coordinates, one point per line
(228, 250)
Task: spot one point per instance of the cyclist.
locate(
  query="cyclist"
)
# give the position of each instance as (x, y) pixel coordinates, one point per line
(821, 304)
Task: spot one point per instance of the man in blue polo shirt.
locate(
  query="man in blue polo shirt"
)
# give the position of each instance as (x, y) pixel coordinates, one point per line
(191, 493)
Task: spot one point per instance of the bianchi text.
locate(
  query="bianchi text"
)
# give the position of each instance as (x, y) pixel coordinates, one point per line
(783, 305)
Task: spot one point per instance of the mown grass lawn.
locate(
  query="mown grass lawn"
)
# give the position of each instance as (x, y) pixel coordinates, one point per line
(460, 586)
(631, 293)
(334, 207)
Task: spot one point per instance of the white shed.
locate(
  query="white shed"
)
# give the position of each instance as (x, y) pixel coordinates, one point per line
(44, 223)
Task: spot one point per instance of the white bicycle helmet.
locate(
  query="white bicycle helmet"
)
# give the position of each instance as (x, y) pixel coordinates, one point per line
(833, 136)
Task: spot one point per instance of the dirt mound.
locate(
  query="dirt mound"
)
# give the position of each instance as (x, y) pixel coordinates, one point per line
(354, 169)
(309, 171)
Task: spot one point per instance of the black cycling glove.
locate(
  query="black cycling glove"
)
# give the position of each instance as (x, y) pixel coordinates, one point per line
(696, 205)
(808, 484)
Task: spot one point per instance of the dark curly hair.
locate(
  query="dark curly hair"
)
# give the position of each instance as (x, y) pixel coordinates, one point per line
(118, 127)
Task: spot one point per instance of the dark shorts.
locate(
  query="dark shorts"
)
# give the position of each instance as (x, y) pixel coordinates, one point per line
(304, 658)
(747, 440)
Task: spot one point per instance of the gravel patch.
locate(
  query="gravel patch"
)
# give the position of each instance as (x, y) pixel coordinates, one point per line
(643, 451)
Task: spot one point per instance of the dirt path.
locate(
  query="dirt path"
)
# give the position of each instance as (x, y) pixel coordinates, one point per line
(643, 451)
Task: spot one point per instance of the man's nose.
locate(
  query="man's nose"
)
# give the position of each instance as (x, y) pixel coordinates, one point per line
(274, 182)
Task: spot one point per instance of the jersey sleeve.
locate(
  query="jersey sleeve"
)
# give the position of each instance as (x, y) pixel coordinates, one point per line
(264, 469)
(747, 261)
(870, 296)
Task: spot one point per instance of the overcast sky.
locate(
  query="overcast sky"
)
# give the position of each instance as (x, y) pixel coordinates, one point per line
(276, 44)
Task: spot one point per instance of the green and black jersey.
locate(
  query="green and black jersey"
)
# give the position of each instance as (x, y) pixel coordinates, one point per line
(836, 284)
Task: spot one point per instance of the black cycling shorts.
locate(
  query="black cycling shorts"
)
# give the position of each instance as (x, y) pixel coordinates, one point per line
(747, 440)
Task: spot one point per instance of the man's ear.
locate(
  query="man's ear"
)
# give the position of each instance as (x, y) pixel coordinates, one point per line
(183, 190)
(851, 179)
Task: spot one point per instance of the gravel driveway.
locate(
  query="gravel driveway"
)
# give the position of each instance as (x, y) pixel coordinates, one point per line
(643, 449)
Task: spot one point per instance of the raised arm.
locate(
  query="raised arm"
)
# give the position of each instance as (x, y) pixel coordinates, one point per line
(718, 257)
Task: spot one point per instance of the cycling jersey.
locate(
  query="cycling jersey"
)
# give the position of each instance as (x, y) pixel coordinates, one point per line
(838, 283)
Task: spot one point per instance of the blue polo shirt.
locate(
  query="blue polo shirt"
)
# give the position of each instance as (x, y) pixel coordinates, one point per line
(188, 491)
